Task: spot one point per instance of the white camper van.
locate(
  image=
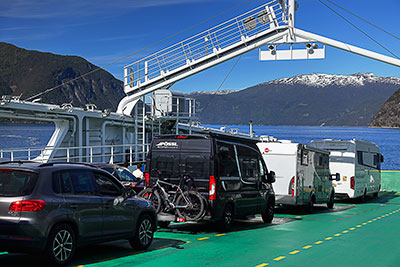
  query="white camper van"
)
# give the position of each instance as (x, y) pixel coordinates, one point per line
(359, 165)
(302, 173)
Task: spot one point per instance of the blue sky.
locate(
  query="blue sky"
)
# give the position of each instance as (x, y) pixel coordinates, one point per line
(102, 31)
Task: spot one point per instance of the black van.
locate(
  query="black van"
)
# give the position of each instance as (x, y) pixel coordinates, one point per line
(228, 171)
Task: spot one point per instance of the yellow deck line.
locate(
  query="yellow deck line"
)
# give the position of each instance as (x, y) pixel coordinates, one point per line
(203, 238)
(279, 258)
(294, 252)
(307, 247)
(262, 265)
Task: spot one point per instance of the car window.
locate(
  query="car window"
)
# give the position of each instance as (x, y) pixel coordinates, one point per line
(106, 185)
(16, 183)
(249, 164)
(62, 183)
(74, 181)
(227, 165)
(125, 175)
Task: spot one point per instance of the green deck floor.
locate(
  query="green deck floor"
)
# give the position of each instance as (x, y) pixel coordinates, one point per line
(367, 234)
(353, 234)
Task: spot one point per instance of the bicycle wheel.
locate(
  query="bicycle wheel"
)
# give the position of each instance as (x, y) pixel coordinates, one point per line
(153, 196)
(195, 209)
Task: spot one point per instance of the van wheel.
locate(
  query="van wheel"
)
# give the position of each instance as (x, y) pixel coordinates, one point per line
(225, 224)
(331, 201)
(310, 206)
(61, 245)
(144, 233)
(377, 193)
(268, 214)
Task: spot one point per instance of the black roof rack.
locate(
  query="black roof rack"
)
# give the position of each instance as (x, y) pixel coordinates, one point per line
(75, 163)
(18, 162)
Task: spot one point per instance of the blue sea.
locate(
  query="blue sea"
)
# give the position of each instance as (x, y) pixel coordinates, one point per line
(24, 136)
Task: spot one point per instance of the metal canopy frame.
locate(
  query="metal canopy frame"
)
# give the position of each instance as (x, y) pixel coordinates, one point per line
(271, 24)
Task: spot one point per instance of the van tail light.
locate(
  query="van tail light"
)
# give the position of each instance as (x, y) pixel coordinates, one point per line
(147, 178)
(181, 137)
(212, 194)
(291, 186)
(27, 205)
(352, 182)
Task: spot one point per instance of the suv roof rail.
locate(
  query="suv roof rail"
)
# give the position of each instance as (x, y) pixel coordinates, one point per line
(75, 163)
(18, 161)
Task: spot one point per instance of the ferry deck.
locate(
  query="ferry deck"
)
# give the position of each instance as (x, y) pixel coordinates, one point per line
(354, 233)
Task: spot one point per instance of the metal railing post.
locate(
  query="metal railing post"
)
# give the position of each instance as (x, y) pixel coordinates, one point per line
(91, 154)
(12, 155)
(112, 155)
(29, 154)
(68, 154)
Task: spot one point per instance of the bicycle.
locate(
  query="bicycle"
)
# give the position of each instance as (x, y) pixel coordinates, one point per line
(188, 204)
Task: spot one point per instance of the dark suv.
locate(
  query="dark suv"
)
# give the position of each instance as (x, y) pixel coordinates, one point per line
(54, 208)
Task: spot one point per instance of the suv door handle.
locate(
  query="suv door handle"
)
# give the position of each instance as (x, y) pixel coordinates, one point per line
(73, 206)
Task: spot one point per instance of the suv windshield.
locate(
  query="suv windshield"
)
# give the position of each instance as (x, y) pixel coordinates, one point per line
(14, 183)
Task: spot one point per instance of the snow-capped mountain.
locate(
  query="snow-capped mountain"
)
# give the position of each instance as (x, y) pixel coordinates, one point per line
(351, 100)
(323, 80)
(222, 92)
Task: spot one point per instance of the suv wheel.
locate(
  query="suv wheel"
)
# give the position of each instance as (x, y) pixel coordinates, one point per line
(61, 245)
(331, 201)
(268, 214)
(144, 233)
(225, 224)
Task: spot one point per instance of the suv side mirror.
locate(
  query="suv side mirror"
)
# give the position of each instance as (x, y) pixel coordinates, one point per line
(335, 177)
(271, 177)
(381, 158)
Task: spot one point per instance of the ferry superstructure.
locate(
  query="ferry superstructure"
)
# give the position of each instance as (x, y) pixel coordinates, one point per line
(150, 107)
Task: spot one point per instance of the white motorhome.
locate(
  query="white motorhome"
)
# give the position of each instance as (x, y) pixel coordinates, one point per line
(302, 173)
(358, 163)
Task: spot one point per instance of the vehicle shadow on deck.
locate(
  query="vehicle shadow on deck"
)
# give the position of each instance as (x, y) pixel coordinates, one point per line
(318, 209)
(210, 228)
(91, 254)
(383, 198)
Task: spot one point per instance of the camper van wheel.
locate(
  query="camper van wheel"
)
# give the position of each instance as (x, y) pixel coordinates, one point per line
(331, 201)
(268, 214)
(310, 206)
(377, 193)
(364, 197)
(225, 224)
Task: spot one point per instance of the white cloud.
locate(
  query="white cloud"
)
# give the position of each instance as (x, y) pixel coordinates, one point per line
(76, 8)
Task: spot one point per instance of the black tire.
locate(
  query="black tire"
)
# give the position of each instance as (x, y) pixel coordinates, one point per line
(331, 201)
(364, 197)
(153, 197)
(310, 206)
(163, 224)
(268, 214)
(195, 210)
(376, 194)
(61, 245)
(225, 224)
(144, 233)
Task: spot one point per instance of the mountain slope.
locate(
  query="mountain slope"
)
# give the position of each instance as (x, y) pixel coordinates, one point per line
(316, 99)
(389, 114)
(29, 72)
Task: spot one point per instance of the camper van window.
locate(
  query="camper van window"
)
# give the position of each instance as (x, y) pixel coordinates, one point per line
(163, 166)
(195, 165)
(227, 166)
(262, 171)
(304, 157)
(249, 166)
(360, 157)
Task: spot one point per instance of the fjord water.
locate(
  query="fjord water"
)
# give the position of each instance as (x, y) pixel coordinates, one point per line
(24, 136)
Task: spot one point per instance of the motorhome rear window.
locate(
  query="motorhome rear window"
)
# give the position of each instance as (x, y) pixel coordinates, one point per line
(15, 183)
(195, 145)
